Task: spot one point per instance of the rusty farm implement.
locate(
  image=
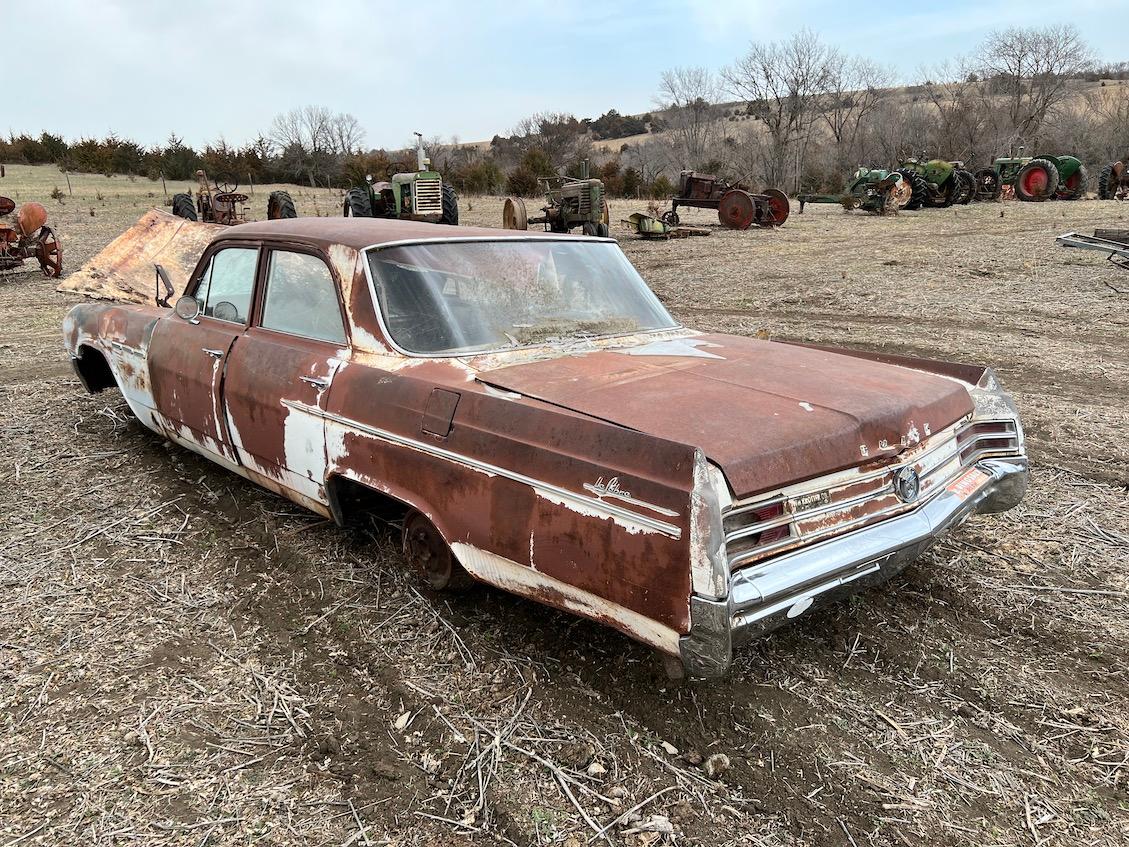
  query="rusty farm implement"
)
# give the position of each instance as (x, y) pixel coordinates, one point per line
(30, 238)
(737, 206)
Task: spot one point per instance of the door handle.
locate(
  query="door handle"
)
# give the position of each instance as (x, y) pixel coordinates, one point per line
(318, 382)
(215, 354)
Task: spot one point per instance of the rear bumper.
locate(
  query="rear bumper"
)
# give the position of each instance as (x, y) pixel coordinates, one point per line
(763, 597)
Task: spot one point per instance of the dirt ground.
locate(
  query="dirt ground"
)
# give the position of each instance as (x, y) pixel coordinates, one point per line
(187, 659)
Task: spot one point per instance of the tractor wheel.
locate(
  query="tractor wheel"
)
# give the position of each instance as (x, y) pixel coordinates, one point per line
(280, 206)
(1074, 186)
(968, 187)
(589, 228)
(603, 230)
(777, 208)
(919, 191)
(737, 209)
(430, 556)
(514, 215)
(605, 213)
(987, 185)
(1036, 181)
(49, 252)
(450, 206)
(183, 207)
(670, 218)
(358, 203)
(1106, 183)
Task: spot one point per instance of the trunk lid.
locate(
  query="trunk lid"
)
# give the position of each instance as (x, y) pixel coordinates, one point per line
(768, 414)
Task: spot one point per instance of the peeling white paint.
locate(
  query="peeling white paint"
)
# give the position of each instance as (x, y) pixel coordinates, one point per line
(673, 347)
(510, 576)
(807, 407)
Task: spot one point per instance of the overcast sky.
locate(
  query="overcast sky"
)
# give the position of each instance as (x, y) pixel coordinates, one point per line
(465, 69)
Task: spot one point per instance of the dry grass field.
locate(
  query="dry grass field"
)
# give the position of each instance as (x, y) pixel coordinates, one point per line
(187, 659)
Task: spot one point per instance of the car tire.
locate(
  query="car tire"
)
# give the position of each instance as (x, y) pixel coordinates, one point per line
(183, 207)
(430, 556)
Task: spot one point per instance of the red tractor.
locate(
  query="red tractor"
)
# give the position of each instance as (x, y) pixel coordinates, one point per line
(737, 207)
(30, 237)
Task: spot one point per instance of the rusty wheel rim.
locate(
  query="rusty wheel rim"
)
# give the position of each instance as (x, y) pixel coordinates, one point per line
(514, 215)
(1035, 182)
(426, 550)
(901, 193)
(737, 209)
(50, 254)
(778, 207)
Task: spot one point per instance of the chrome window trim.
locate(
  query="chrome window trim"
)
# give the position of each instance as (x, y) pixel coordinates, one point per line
(378, 307)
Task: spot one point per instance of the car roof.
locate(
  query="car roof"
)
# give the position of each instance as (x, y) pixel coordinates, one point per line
(360, 233)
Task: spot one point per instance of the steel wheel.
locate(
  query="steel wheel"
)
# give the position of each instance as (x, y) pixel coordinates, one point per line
(737, 209)
(430, 555)
(49, 252)
(901, 193)
(513, 214)
(777, 208)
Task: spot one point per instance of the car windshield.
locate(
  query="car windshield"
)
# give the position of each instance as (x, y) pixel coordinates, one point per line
(453, 298)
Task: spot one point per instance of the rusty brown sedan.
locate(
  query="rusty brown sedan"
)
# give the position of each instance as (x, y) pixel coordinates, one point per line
(550, 429)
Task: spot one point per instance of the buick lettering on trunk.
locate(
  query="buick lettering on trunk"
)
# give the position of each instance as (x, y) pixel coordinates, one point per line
(546, 427)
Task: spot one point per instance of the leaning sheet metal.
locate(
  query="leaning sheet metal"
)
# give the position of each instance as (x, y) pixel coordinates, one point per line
(123, 271)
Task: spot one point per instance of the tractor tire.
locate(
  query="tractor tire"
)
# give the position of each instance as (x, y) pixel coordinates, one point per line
(968, 188)
(1105, 183)
(589, 228)
(602, 230)
(1032, 188)
(919, 191)
(1074, 187)
(450, 206)
(183, 207)
(358, 203)
(988, 185)
(280, 206)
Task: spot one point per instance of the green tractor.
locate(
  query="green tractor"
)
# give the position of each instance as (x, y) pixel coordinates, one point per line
(1032, 178)
(877, 191)
(419, 196)
(569, 202)
(937, 183)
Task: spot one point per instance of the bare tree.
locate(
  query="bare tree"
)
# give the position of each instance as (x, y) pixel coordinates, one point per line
(1030, 68)
(688, 96)
(346, 136)
(854, 88)
(781, 82)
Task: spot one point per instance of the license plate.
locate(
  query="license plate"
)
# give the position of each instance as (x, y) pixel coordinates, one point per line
(967, 483)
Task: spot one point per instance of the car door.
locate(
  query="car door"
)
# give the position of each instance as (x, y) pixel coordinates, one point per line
(280, 373)
(187, 358)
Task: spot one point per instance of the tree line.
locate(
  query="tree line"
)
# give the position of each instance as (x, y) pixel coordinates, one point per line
(797, 114)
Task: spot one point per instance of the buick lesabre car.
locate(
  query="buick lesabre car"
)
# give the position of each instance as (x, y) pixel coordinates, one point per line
(549, 429)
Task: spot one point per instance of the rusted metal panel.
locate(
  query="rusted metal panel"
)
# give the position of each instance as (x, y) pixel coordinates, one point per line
(123, 270)
(767, 413)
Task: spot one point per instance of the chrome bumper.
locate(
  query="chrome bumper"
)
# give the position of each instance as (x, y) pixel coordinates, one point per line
(763, 597)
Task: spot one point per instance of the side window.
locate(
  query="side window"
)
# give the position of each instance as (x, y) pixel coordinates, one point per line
(301, 298)
(225, 289)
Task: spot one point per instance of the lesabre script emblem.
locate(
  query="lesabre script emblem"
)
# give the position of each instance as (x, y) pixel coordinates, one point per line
(611, 488)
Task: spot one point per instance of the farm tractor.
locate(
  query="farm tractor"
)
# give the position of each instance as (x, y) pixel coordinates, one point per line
(1033, 179)
(1113, 181)
(569, 202)
(29, 238)
(418, 196)
(879, 192)
(225, 205)
(737, 207)
(937, 183)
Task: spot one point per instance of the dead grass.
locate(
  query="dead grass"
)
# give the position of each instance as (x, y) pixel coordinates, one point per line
(186, 659)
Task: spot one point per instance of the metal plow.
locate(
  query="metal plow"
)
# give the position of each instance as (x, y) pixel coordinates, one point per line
(123, 271)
